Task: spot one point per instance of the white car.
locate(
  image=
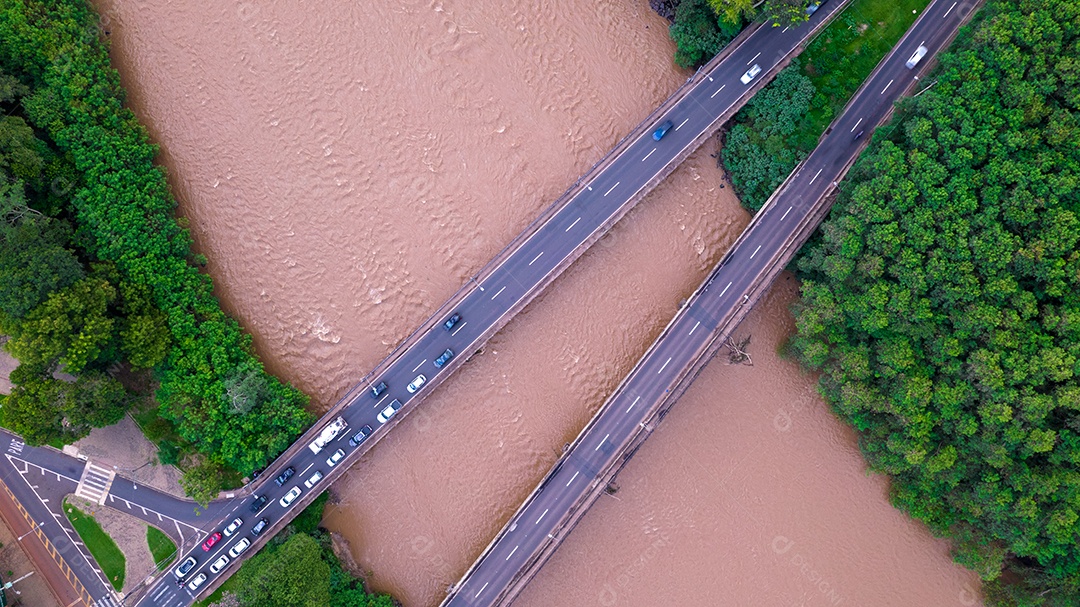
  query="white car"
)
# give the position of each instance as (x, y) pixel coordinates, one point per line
(751, 74)
(335, 458)
(309, 483)
(194, 584)
(233, 527)
(916, 56)
(385, 415)
(289, 497)
(219, 564)
(239, 547)
(184, 568)
(416, 383)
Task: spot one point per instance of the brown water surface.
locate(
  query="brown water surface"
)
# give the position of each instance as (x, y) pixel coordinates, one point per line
(346, 166)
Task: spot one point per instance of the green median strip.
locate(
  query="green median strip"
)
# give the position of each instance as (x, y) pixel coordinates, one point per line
(161, 547)
(100, 545)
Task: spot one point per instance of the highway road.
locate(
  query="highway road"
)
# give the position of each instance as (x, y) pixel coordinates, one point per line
(491, 581)
(515, 279)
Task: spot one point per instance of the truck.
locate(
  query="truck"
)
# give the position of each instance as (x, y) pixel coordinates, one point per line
(328, 434)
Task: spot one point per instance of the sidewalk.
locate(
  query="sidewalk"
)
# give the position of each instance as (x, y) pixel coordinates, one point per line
(123, 448)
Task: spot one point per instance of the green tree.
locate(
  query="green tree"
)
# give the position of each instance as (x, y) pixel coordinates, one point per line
(33, 259)
(294, 574)
(72, 327)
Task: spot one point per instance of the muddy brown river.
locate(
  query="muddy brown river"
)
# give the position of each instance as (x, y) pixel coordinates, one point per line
(346, 166)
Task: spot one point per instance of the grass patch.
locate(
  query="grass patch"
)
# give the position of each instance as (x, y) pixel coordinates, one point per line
(161, 547)
(781, 125)
(100, 545)
(842, 56)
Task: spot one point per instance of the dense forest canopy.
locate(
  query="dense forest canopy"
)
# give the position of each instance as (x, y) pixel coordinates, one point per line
(96, 268)
(942, 301)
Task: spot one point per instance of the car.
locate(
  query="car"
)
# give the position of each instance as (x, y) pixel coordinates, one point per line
(450, 322)
(416, 383)
(285, 475)
(239, 547)
(916, 57)
(260, 501)
(662, 130)
(360, 436)
(210, 541)
(259, 526)
(751, 74)
(289, 497)
(445, 358)
(335, 458)
(390, 410)
(194, 584)
(233, 527)
(813, 6)
(378, 389)
(184, 568)
(309, 483)
(219, 564)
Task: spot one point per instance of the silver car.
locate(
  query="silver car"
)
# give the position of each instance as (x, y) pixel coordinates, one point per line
(916, 57)
(751, 74)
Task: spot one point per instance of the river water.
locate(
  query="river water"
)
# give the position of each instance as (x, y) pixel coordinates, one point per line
(347, 166)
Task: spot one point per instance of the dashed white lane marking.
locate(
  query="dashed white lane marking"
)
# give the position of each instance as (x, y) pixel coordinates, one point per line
(423, 361)
(460, 327)
(949, 11)
(632, 404)
(647, 155)
(477, 595)
(542, 516)
(725, 289)
(602, 442)
(572, 225)
(886, 87)
(684, 120)
(572, 478)
(497, 294)
(786, 29)
(856, 126)
(535, 258)
(717, 92)
(755, 251)
(752, 60)
(815, 176)
(512, 552)
(665, 366)
(695, 328)
(612, 188)
(784, 216)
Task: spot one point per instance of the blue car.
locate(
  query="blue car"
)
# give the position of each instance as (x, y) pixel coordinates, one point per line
(662, 130)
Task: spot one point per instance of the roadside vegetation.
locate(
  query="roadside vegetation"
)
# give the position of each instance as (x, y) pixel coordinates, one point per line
(101, 546)
(97, 276)
(702, 28)
(297, 567)
(941, 302)
(781, 125)
(161, 547)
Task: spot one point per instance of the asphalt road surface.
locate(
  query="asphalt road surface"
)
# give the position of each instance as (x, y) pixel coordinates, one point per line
(40, 477)
(528, 531)
(515, 279)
